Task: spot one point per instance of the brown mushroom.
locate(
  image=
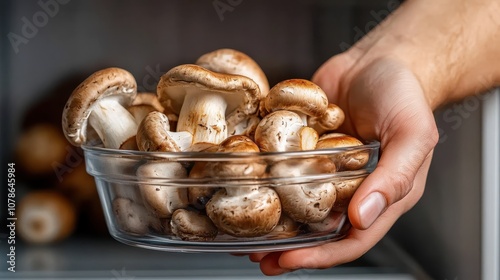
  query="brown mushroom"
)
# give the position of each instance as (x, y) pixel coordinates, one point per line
(100, 102)
(39, 147)
(346, 160)
(305, 202)
(154, 135)
(332, 223)
(245, 211)
(207, 101)
(192, 226)
(298, 95)
(230, 61)
(345, 190)
(330, 120)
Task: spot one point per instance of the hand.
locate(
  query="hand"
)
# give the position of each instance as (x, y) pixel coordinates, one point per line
(382, 100)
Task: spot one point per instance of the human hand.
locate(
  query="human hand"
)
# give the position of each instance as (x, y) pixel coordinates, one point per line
(382, 99)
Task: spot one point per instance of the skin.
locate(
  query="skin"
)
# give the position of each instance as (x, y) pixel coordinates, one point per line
(424, 55)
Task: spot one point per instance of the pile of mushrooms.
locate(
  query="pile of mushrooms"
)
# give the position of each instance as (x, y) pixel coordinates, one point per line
(220, 104)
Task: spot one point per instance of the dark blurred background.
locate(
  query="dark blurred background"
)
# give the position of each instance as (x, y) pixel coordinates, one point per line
(48, 47)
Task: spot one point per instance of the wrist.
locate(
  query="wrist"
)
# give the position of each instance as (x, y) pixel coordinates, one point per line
(452, 46)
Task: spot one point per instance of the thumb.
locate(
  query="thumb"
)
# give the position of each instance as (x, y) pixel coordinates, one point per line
(406, 151)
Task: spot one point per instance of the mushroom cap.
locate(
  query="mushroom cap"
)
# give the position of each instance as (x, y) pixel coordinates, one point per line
(254, 213)
(332, 119)
(148, 98)
(333, 222)
(162, 200)
(284, 130)
(345, 190)
(297, 95)
(132, 217)
(106, 83)
(235, 62)
(350, 160)
(236, 168)
(192, 226)
(286, 228)
(154, 135)
(241, 93)
(306, 203)
(39, 147)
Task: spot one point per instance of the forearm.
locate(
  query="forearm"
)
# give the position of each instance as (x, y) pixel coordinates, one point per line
(453, 46)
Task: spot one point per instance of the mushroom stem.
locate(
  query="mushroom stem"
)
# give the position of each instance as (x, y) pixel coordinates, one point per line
(113, 123)
(207, 112)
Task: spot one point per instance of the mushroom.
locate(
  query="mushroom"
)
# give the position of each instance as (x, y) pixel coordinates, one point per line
(345, 190)
(207, 102)
(242, 210)
(286, 228)
(330, 120)
(143, 104)
(199, 196)
(332, 223)
(305, 202)
(245, 211)
(39, 147)
(298, 95)
(192, 226)
(234, 62)
(162, 200)
(248, 167)
(154, 135)
(284, 131)
(100, 102)
(45, 217)
(133, 218)
(350, 160)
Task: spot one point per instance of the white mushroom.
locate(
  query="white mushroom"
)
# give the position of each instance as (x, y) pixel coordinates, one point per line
(134, 218)
(284, 131)
(100, 102)
(207, 101)
(45, 217)
(162, 200)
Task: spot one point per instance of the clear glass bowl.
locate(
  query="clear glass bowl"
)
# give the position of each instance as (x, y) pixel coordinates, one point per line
(244, 202)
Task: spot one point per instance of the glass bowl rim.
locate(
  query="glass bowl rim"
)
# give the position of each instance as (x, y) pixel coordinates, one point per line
(203, 156)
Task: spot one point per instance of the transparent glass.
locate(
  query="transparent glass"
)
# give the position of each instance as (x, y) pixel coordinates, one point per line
(137, 204)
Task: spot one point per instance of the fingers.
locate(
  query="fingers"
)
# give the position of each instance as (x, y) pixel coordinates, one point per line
(401, 158)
